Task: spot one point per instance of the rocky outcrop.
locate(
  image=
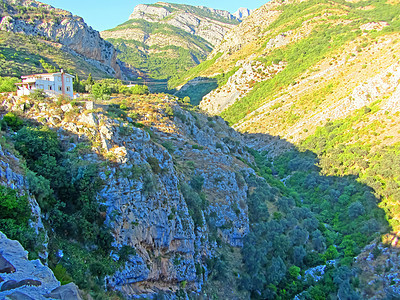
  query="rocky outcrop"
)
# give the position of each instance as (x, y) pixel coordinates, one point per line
(29, 278)
(71, 31)
(149, 187)
(182, 34)
(210, 24)
(242, 13)
(239, 85)
(250, 29)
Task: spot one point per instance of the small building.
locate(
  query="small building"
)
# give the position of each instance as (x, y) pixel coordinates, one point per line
(52, 84)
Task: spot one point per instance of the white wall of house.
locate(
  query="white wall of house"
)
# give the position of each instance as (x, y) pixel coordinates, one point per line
(51, 84)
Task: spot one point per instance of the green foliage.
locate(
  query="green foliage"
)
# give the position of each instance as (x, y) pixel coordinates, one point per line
(66, 187)
(196, 202)
(138, 90)
(48, 67)
(15, 214)
(21, 55)
(300, 57)
(38, 95)
(160, 62)
(181, 79)
(62, 275)
(154, 164)
(13, 121)
(7, 84)
(101, 91)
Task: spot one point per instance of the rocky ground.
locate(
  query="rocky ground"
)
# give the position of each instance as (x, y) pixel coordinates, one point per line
(144, 171)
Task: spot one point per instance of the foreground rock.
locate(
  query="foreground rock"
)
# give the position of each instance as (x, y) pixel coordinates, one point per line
(22, 278)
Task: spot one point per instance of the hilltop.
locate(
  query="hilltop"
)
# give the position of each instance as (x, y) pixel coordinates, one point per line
(32, 31)
(163, 39)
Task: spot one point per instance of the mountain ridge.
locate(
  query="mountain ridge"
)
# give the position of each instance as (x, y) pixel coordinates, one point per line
(186, 34)
(36, 19)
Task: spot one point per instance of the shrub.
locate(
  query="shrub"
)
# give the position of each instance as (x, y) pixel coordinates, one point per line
(7, 84)
(139, 90)
(12, 121)
(154, 164)
(38, 95)
(101, 91)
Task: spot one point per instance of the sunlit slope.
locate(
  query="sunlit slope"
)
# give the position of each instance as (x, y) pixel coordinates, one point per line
(295, 64)
(21, 55)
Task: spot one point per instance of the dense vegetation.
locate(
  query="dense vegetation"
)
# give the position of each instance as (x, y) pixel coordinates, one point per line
(65, 186)
(374, 165)
(306, 220)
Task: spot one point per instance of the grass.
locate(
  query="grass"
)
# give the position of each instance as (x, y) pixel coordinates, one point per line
(160, 62)
(21, 55)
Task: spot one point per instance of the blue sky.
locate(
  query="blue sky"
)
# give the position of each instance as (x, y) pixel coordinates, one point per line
(106, 14)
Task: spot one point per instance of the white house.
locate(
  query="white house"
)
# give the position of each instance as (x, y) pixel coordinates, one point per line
(52, 84)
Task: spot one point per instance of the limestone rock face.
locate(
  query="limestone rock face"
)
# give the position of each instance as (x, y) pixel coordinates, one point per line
(148, 186)
(242, 13)
(249, 29)
(30, 279)
(210, 24)
(71, 31)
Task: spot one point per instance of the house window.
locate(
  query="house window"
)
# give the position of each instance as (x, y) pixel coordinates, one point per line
(59, 78)
(48, 79)
(68, 79)
(59, 88)
(50, 88)
(67, 88)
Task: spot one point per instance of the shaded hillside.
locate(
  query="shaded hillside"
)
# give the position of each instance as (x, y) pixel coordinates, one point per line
(165, 39)
(69, 36)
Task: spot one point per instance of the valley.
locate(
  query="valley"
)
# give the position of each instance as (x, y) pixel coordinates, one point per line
(255, 155)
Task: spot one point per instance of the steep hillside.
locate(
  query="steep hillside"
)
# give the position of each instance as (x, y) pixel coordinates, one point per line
(164, 39)
(296, 64)
(21, 55)
(324, 75)
(68, 36)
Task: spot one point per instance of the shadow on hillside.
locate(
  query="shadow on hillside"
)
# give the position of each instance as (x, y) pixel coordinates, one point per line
(196, 89)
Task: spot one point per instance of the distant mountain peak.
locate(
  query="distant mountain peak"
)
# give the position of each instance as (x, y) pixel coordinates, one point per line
(242, 13)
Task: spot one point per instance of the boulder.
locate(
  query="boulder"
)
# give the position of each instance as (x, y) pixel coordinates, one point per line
(9, 285)
(6, 266)
(69, 291)
(18, 296)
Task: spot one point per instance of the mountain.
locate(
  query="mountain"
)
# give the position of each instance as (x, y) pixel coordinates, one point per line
(148, 196)
(242, 13)
(287, 65)
(324, 76)
(54, 35)
(163, 39)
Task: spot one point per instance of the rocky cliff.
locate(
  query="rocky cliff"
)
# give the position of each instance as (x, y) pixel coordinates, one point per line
(207, 23)
(183, 33)
(152, 183)
(33, 18)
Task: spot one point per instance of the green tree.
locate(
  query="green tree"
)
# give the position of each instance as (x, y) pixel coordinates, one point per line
(7, 84)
